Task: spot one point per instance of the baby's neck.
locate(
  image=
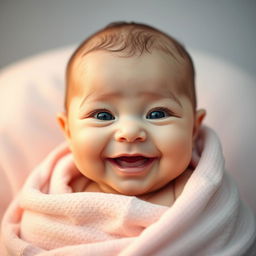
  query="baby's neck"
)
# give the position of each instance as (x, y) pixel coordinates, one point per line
(164, 196)
(167, 195)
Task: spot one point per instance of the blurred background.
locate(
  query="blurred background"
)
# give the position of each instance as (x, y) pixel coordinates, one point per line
(224, 29)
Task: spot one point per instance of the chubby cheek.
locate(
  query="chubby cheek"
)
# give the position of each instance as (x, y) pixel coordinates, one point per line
(176, 149)
(87, 146)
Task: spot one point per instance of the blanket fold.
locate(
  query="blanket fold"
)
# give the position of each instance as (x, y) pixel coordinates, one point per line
(208, 218)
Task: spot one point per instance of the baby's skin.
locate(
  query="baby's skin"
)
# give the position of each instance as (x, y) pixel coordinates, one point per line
(129, 128)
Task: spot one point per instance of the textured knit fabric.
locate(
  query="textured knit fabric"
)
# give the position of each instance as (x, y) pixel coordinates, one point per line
(208, 218)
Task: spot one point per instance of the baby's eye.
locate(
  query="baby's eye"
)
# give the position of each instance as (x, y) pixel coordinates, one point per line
(106, 116)
(158, 113)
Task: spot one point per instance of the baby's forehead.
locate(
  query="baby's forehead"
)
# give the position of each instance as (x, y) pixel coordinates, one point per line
(155, 62)
(145, 75)
(153, 66)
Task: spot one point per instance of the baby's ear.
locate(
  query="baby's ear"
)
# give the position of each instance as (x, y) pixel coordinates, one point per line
(63, 123)
(199, 117)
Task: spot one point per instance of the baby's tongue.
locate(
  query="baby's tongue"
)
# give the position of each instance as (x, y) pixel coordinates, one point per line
(135, 161)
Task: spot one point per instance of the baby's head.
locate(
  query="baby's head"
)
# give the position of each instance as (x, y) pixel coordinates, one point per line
(130, 109)
(128, 40)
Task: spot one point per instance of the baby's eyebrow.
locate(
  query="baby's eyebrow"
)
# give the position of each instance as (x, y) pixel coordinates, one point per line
(166, 95)
(153, 95)
(101, 96)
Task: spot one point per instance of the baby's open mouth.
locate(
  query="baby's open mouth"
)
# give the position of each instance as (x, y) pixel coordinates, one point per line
(131, 161)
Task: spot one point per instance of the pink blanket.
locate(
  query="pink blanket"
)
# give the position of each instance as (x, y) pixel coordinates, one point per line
(208, 217)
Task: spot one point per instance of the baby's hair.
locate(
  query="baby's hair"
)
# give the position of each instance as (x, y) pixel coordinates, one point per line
(130, 39)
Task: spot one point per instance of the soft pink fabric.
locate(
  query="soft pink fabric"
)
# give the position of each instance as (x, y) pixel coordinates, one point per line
(208, 218)
(31, 93)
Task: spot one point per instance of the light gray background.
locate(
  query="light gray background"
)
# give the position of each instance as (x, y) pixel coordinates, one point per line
(224, 28)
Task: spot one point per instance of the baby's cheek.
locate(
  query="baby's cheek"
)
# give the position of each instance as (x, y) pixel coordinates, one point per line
(91, 142)
(178, 146)
(87, 148)
(175, 137)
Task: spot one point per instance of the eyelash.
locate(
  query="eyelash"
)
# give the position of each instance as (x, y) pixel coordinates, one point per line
(94, 112)
(166, 110)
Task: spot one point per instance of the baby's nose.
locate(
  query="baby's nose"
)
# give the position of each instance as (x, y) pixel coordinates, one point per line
(130, 131)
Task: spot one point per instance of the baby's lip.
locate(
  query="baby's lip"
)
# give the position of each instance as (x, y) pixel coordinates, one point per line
(134, 155)
(132, 161)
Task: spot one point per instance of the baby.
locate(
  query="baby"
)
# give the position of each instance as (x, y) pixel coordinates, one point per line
(139, 174)
(131, 117)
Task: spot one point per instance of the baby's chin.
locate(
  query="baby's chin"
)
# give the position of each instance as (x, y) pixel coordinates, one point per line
(135, 190)
(122, 189)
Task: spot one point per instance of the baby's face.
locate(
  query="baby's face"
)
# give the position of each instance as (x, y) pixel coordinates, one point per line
(129, 129)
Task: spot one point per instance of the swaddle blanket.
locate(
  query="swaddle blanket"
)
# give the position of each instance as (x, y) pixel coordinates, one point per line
(208, 217)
